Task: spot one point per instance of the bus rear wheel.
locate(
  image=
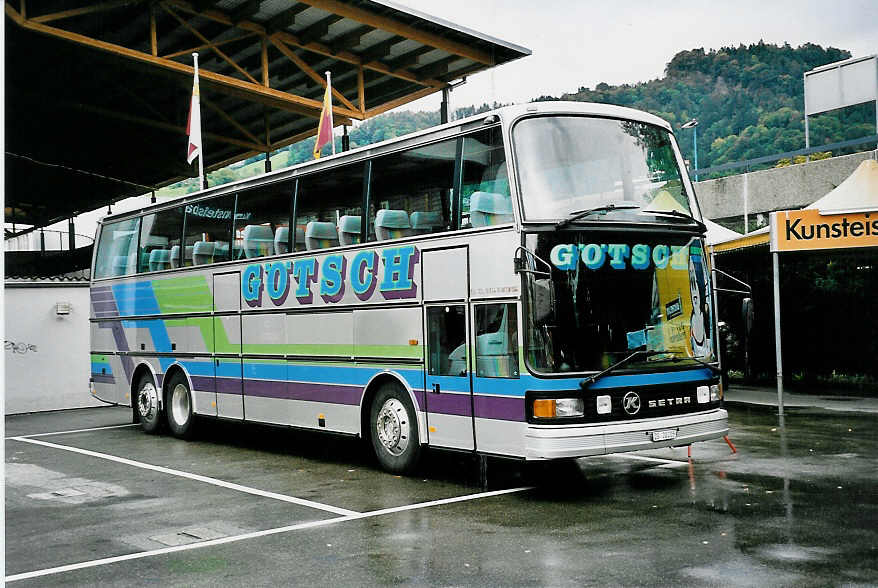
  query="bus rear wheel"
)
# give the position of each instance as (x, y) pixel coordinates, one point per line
(147, 404)
(394, 430)
(181, 419)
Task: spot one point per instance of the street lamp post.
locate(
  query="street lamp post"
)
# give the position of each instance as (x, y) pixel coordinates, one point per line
(693, 124)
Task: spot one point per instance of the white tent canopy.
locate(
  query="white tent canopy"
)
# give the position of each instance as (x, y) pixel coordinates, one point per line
(718, 233)
(858, 193)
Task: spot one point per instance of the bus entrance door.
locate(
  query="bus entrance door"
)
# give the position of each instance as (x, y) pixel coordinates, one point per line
(448, 386)
(227, 345)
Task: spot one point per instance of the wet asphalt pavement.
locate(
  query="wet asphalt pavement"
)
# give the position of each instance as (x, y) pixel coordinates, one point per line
(797, 505)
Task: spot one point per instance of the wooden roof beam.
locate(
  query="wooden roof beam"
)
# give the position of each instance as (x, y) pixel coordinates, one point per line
(318, 48)
(379, 51)
(246, 10)
(225, 84)
(397, 28)
(349, 39)
(285, 19)
(318, 29)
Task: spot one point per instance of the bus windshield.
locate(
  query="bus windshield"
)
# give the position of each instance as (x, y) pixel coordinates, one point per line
(617, 293)
(570, 164)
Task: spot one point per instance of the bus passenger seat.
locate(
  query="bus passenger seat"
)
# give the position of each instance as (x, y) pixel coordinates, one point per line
(175, 256)
(392, 224)
(258, 241)
(159, 259)
(202, 252)
(281, 240)
(426, 222)
(490, 208)
(320, 235)
(187, 256)
(349, 230)
(220, 251)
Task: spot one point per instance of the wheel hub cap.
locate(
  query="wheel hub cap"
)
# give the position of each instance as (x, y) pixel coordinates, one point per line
(393, 427)
(180, 404)
(147, 401)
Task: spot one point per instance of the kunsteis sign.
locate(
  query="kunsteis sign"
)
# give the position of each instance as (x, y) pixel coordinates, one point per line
(386, 274)
(797, 230)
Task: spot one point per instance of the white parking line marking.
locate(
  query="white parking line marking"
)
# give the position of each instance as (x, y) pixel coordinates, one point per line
(255, 534)
(196, 477)
(72, 431)
(668, 463)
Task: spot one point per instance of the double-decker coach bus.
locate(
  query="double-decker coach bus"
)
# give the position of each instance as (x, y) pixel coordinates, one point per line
(530, 282)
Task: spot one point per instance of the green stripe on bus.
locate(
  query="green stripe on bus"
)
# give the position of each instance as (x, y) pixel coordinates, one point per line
(186, 294)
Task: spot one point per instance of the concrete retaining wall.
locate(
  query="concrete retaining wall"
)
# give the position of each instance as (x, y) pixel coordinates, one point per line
(782, 188)
(46, 354)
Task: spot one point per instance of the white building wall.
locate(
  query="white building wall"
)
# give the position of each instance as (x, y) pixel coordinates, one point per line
(47, 355)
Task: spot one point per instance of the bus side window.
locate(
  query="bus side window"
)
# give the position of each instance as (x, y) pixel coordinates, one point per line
(262, 221)
(411, 191)
(207, 231)
(496, 341)
(329, 207)
(446, 340)
(160, 232)
(485, 184)
(117, 249)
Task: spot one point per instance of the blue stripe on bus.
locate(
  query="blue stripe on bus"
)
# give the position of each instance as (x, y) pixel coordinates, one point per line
(135, 299)
(101, 368)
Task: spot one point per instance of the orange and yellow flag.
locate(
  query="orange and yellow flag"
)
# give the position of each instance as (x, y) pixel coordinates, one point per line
(324, 129)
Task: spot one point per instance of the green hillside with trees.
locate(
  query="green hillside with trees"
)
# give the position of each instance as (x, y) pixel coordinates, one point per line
(748, 101)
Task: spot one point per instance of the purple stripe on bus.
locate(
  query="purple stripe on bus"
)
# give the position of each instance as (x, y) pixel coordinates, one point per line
(103, 379)
(202, 383)
(121, 345)
(228, 386)
(500, 408)
(457, 404)
(421, 399)
(331, 393)
(104, 305)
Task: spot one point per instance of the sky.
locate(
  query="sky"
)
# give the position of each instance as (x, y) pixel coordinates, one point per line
(578, 43)
(584, 42)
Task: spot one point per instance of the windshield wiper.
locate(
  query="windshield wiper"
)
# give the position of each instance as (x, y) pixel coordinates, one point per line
(578, 214)
(679, 214)
(645, 353)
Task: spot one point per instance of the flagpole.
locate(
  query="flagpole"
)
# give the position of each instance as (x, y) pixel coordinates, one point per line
(329, 90)
(201, 149)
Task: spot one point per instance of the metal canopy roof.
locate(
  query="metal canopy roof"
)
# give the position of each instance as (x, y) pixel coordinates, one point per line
(97, 93)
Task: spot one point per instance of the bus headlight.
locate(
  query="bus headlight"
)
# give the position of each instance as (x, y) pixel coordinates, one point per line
(604, 405)
(551, 408)
(703, 394)
(716, 393)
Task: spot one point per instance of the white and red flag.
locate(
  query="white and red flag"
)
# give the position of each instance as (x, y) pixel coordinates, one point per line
(193, 127)
(324, 129)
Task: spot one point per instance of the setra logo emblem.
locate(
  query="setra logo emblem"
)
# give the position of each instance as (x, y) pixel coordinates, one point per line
(631, 403)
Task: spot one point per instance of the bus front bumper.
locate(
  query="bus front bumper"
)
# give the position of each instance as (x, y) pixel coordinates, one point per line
(567, 441)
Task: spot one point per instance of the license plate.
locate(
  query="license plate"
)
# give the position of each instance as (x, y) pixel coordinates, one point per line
(664, 435)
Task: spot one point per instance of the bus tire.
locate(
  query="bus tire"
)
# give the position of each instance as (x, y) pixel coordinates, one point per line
(147, 404)
(181, 419)
(394, 430)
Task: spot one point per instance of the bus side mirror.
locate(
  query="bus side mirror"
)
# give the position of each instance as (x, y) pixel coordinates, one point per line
(543, 300)
(747, 314)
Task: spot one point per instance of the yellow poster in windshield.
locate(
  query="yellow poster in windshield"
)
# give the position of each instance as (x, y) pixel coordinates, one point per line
(681, 305)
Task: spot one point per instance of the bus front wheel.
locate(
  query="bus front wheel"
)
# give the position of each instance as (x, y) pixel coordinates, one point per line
(394, 430)
(179, 407)
(147, 405)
